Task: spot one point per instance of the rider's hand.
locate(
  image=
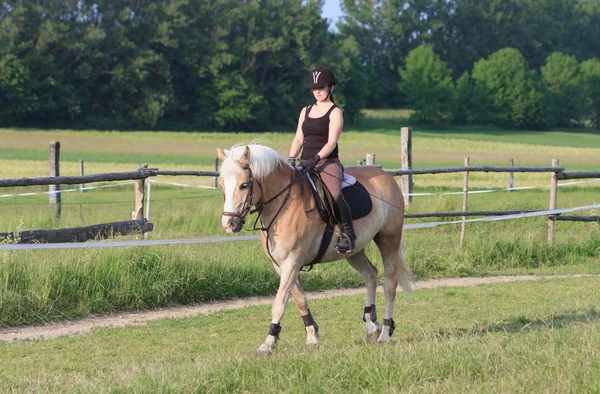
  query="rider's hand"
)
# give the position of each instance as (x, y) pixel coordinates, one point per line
(292, 161)
(312, 162)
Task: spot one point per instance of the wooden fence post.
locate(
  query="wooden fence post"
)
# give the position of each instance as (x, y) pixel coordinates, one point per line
(54, 170)
(148, 190)
(216, 168)
(81, 173)
(138, 211)
(511, 175)
(406, 155)
(463, 229)
(370, 159)
(553, 195)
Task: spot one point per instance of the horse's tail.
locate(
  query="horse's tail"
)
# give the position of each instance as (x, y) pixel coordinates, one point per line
(404, 274)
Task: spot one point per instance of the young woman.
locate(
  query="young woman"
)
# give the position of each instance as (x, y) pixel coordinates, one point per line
(317, 135)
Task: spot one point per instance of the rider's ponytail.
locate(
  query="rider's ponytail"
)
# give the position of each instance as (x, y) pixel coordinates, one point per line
(331, 94)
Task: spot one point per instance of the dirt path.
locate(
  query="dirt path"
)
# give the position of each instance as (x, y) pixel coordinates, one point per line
(87, 325)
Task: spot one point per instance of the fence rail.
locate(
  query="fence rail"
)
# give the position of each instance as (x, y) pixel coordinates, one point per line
(142, 189)
(448, 170)
(577, 175)
(146, 173)
(107, 177)
(80, 234)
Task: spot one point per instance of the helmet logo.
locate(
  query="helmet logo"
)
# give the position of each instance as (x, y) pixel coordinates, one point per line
(316, 75)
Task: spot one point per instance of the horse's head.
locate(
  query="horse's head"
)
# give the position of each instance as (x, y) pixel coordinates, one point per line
(238, 184)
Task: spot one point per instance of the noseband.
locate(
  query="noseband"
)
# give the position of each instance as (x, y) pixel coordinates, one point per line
(248, 203)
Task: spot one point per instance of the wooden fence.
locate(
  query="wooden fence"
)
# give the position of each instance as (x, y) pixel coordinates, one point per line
(141, 193)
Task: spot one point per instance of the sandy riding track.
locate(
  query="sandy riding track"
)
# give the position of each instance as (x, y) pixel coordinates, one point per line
(87, 325)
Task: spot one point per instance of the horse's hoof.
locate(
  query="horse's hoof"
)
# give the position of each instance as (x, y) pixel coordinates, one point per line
(372, 337)
(313, 345)
(313, 341)
(264, 350)
(312, 337)
(384, 337)
(374, 334)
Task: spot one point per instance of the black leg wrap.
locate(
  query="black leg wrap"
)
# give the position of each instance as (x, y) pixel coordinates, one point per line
(370, 309)
(274, 329)
(309, 321)
(391, 324)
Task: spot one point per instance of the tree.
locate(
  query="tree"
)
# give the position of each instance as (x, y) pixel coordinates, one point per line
(470, 103)
(561, 76)
(427, 84)
(591, 80)
(386, 31)
(516, 95)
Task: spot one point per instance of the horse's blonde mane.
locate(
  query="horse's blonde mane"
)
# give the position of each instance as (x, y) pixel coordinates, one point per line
(263, 160)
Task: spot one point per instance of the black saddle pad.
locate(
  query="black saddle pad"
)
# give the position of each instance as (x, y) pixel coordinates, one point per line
(359, 200)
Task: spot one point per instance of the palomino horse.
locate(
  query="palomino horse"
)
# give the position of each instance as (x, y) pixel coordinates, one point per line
(255, 175)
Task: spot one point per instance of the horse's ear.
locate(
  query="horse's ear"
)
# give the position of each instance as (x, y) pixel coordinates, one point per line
(245, 158)
(221, 154)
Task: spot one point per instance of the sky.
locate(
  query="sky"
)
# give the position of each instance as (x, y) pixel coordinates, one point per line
(332, 11)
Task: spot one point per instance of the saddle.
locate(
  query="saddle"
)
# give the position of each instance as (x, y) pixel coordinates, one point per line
(355, 194)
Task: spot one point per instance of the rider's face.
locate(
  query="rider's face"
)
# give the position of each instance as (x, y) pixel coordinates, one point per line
(321, 94)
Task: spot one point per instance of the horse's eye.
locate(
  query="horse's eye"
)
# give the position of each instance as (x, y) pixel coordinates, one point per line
(244, 185)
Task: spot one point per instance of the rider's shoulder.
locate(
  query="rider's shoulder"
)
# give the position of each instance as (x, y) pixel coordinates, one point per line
(336, 110)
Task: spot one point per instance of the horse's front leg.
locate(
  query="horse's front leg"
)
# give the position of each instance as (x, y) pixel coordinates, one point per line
(310, 325)
(288, 272)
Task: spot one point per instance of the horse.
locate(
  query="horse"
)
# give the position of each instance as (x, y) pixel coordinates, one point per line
(257, 176)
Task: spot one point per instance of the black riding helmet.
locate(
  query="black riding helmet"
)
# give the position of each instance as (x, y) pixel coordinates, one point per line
(321, 77)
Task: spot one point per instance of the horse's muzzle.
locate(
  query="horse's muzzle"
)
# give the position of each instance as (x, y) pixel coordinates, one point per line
(232, 224)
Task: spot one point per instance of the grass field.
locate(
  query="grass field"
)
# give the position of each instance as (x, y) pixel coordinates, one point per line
(45, 286)
(533, 337)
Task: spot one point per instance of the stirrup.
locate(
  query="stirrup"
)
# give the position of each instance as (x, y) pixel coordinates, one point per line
(350, 243)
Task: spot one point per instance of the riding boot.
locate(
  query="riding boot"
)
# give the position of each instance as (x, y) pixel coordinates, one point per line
(347, 238)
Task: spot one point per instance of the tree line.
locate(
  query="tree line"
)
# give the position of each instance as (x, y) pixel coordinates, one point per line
(243, 65)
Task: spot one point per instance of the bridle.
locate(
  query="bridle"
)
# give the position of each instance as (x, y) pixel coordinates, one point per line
(248, 202)
(259, 208)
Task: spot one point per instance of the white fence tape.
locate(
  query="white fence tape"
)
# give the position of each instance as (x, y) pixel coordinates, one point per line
(112, 244)
(182, 184)
(502, 190)
(505, 217)
(66, 190)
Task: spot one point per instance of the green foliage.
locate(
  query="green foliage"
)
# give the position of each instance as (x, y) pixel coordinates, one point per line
(235, 65)
(590, 70)
(516, 96)
(239, 104)
(471, 103)
(428, 87)
(561, 76)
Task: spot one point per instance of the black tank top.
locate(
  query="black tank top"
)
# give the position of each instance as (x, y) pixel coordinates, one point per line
(316, 134)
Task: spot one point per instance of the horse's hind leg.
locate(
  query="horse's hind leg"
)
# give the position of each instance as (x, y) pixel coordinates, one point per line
(310, 326)
(361, 263)
(395, 269)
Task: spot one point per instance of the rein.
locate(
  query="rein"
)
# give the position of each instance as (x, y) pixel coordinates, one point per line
(262, 206)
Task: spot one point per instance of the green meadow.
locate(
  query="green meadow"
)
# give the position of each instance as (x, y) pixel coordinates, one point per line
(528, 337)
(42, 286)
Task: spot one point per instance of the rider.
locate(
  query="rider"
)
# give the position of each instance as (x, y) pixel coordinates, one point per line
(317, 135)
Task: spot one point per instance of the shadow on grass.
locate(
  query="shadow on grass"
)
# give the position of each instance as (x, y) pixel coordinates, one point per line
(521, 324)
